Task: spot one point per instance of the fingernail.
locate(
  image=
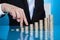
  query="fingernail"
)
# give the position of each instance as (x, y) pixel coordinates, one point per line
(18, 20)
(27, 24)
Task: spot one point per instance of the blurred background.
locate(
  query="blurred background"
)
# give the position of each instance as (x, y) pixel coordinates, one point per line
(54, 8)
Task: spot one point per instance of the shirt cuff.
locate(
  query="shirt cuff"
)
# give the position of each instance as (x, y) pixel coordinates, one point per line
(1, 12)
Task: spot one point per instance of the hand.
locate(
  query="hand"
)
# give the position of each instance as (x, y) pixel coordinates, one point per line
(15, 12)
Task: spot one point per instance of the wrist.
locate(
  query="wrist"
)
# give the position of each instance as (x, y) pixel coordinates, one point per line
(1, 12)
(3, 7)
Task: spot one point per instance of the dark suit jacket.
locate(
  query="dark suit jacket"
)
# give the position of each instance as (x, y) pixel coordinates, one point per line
(39, 12)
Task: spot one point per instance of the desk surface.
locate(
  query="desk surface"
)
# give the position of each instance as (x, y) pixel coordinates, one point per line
(18, 35)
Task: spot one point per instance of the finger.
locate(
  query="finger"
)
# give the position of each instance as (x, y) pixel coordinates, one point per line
(21, 22)
(25, 20)
(18, 16)
(12, 13)
(21, 18)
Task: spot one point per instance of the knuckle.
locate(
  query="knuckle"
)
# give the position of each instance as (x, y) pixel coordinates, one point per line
(22, 10)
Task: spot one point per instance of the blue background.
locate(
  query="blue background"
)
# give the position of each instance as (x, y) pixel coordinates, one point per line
(55, 10)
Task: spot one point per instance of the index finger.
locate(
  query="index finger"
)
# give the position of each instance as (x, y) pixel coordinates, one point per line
(24, 18)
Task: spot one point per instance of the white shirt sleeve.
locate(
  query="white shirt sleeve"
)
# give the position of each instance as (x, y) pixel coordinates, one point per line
(1, 12)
